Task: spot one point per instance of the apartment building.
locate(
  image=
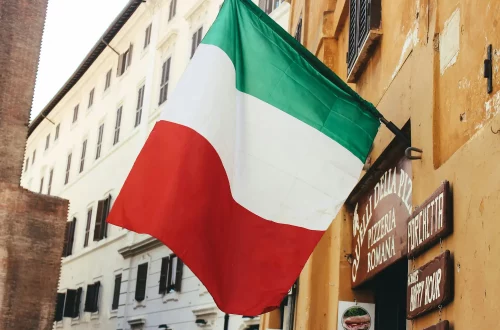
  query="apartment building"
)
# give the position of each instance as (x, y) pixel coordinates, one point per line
(82, 146)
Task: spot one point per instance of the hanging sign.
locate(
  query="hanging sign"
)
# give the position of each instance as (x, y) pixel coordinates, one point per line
(356, 316)
(379, 223)
(430, 286)
(444, 325)
(431, 221)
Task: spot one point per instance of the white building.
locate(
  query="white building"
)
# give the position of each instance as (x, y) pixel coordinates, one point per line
(82, 146)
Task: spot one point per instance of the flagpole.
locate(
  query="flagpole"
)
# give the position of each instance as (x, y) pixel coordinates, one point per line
(226, 322)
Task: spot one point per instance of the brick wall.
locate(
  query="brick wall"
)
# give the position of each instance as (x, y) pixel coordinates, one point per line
(21, 27)
(31, 225)
(31, 240)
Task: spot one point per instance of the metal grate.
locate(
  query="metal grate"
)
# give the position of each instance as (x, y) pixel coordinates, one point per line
(363, 21)
(352, 49)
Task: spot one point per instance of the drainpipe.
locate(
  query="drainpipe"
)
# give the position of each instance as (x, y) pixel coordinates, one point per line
(226, 322)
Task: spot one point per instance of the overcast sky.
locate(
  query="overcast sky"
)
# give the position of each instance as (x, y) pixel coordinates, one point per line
(71, 30)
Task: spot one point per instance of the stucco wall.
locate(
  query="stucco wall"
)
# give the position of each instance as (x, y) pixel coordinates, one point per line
(428, 67)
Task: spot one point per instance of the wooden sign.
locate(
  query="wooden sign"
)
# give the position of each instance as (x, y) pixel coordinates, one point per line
(430, 221)
(444, 325)
(430, 286)
(379, 223)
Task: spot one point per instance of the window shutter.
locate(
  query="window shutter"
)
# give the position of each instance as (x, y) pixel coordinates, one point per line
(353, 27)
(60, 306)
(106, 209)
(178, 275)
(89, 298)
(69, 307)
(95, 306)
(119, 71)
(71, 237)
(140, 285)
(130, 51)
(163, 275)
(98, 221)
(66, 237)
(200, 34)
(116, 292)
(193, 45)
(175, 7)
(78, 300)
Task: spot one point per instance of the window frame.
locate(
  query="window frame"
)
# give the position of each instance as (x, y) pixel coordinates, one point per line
(49, 186)
(107, 82)
(56, 135)
(83, 155)
(147, 37)
(196, 40)
(76, 109)
(100, 135)
(68, 168)
(141, 284)
(118, 122)
(165, 79)
(140, 105)
(87, 227)
(47, 142)
(172, 10)
(116, 292)
(91, 98)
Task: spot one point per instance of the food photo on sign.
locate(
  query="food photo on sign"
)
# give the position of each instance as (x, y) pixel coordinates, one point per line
(356, 316)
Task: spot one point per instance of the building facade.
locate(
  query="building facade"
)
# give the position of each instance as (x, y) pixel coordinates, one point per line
(416, 242)
(82, 146)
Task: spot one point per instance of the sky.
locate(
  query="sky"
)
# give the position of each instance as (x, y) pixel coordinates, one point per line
(72, 28)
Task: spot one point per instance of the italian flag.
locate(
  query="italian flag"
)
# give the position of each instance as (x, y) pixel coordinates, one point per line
(254, 154)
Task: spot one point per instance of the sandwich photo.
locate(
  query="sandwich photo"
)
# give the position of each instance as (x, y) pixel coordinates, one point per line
(356, 318)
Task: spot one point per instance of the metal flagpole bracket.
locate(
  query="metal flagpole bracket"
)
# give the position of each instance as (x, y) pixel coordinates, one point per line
(403, 137)
(409, 155)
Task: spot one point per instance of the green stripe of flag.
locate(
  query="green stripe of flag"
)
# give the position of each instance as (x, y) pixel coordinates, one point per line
(273, 67)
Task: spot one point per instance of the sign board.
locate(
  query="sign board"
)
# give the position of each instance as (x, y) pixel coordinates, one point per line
(356, 316)
(430, 221)
(430, 286)
(444, 325)
(379, 223)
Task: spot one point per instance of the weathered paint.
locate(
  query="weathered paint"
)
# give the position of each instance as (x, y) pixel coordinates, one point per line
(451, 120)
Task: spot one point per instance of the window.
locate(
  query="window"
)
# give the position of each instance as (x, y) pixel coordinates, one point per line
(57, 132)
(147, 35)
(173, 8)
(47, 142)
(101, 226)
(51, 174)
(124, 61)
(69, 238)
(82, 158)
(27, 165)
(108, 80)
(68, 168)
(87, 228)
(196, 40)
(140, 102)
(33, 159)
(91, 97)
(72, 305)
(116, 292)
(99, 141)
(269, 5)
(364, 31)
(92, 298)
(75, 113)
(165, 77)
(117, 125)
(61, 297)
(298, 32)
(41, 185)
(140, 284)
(171, 274)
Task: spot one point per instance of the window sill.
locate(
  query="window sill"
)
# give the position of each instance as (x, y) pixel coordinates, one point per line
(139, 304)
(364, 55)
(75, 321)
(127, 70)
(105, 92)
(59, 324)
(94, 316)
(145, 51)
(172, 296)
(113, 314)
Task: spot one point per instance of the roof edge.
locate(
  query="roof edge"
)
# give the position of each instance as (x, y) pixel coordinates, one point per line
(84, 66)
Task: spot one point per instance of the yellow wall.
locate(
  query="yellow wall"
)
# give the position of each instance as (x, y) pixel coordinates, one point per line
(451, 120)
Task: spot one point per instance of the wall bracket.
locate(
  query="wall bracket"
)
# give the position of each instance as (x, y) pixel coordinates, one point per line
(488, 69)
